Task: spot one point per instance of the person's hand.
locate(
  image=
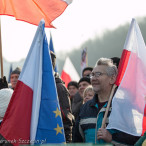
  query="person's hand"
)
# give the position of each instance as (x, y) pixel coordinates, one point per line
(3, 83)
(104, 134)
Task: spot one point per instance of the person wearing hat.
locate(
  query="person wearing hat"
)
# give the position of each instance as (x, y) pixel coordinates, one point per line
(72, 88)
(5, 96)
(14, 77)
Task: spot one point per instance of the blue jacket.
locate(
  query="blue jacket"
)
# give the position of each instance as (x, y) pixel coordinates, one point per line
(90, 120)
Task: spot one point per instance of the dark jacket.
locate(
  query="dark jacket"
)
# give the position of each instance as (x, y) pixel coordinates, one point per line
(77, 102)
(90, 120)
(3, 141)
(86, 122)
(65, 107)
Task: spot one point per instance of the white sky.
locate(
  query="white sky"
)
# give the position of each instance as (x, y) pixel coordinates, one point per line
(83, 19)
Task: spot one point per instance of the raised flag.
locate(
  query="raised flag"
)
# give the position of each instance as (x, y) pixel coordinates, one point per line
(32, 11)
(51, 47)
(84, 60)
(69, 72)
(33, 115)
(129, 101)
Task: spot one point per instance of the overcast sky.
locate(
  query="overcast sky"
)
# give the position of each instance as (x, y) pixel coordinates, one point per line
(83, 19)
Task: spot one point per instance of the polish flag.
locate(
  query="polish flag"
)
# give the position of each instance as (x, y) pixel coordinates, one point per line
(129, 103)
(33, 115)
(32, 11)
(69, 72)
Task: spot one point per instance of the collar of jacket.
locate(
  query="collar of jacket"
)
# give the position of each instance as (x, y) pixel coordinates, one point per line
(94, 100)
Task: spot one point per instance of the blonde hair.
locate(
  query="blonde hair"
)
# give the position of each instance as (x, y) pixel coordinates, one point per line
(89, 88)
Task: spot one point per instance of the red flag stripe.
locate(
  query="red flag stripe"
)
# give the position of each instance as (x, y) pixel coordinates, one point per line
(122, 66)
(17, 128)
(65, 77)
(144, 121)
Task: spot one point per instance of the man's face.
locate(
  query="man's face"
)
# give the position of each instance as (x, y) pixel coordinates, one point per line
(13, 80)
(82, 87)
(72, 90)
(86, 73)
(101, 83)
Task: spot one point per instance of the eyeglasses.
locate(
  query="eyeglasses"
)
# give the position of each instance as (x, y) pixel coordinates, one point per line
(97, 74)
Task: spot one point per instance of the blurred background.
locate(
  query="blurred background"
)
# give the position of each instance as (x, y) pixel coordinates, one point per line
(99, 26)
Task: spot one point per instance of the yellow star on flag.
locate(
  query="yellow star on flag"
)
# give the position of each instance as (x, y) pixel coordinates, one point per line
(57, 112)
(58, 129)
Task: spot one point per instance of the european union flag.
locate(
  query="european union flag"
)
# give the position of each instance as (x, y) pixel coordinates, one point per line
(50, 128)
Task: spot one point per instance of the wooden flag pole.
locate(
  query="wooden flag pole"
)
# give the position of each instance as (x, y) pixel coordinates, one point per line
(1, 52)
(108, 106)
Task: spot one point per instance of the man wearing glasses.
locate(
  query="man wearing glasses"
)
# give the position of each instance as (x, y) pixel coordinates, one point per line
(88, 125)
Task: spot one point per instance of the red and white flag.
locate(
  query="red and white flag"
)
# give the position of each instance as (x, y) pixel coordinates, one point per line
(32, 11)
(69, 72)
(31, 114)
(129, 102)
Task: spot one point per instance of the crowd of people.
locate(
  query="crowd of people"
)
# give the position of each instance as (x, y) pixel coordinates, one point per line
(82, 103)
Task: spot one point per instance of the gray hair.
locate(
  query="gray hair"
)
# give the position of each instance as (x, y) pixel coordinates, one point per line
(111, 68)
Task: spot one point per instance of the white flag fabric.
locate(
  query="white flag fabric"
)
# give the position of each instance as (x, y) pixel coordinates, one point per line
(129, 103)
(69, 72)
(31, 115)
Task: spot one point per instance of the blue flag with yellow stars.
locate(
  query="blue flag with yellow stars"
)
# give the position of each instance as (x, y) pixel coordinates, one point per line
(50, 127)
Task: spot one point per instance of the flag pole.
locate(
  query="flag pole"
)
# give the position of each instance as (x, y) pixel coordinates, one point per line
(1, 51)
(108, 106)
